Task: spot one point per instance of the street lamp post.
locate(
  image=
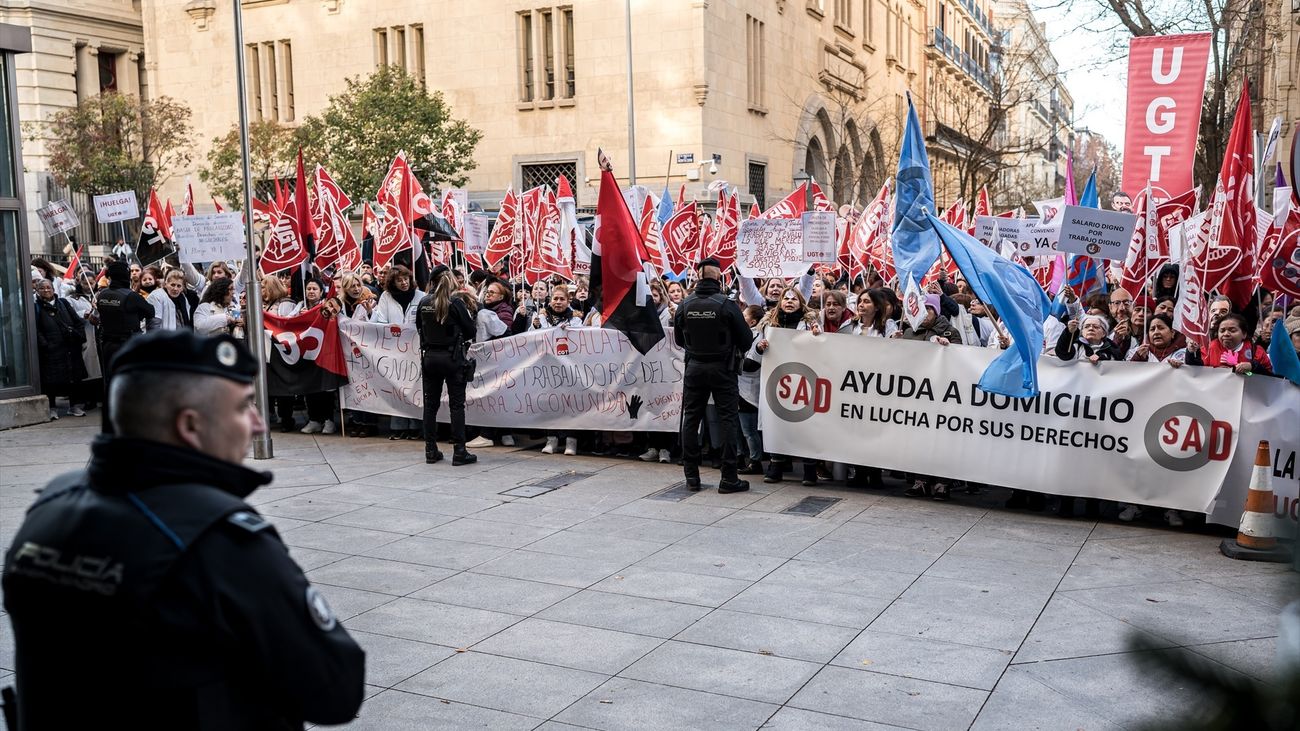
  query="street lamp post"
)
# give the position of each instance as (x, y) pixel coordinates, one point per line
(804, 179)
(631, 106)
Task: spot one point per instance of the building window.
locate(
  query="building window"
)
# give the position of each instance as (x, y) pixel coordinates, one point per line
(271, 91)
(548, 55)
(269, 72)
(757, 179)
(286, 80)
(570, 72)
(868, 26)
(381, 46)
(417, 52)
(755, 62)
(253, 72)
(546, 173)
(398, 55)
(526, 57)
(107, 71)
(844, 14)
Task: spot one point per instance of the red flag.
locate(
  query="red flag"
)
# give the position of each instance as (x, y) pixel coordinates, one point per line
(681, 196)
(307, 354)
(281, 198)
(155, 240)
(525, 249)
(651, 236)
(302, 209)
(1232, 224)
(502, 240)
(1149, 247)
(983, 207)
(624, 290)
(869, 230)
(681, 239)
(753, 211)
(549, 257)
(1279, 269)
(188, 205)
(793, 205)
(335, 244)
(394, 197)
(217, 205)
(167, 220)
(284, 250)
(71, 271)
(722, 244)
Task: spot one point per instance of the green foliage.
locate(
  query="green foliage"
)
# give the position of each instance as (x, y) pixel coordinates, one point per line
(113, 142)
(356, 136)
(272, 148)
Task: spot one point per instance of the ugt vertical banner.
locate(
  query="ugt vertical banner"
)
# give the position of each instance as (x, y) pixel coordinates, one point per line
(1166, 83)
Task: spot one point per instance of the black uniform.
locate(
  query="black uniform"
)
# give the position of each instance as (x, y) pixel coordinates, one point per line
(122, 314)
(442, 350)
(712, 330)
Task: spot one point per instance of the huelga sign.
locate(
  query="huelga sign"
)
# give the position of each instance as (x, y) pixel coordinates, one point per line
(1166, 82)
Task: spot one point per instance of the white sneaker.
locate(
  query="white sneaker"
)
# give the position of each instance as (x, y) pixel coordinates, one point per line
(76, 411)
(571, 446)
(329, 427)
(313, 427)
(650, 455)
(552, 443)
(479, 442)
(1174, 518)
(54, 414)
(1129, 513)
(507, 440)
(665, 456)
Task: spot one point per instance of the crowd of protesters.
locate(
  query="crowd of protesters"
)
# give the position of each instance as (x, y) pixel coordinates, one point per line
(1095, 327)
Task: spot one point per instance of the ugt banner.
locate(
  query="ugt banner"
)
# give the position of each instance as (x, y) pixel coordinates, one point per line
(1134, 432)
(1166, 83)
(572, 378)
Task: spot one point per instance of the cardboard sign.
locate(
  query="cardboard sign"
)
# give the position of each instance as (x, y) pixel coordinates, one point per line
(770, 248)
(58, 217)
(476, 234)
(1096, 233)
(209, 237)
(818, 229)
(985, 227)
(113, 207)
(1037, 238)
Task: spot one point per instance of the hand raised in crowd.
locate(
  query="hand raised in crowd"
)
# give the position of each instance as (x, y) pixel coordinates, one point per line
(1004, 342)
(1121, 331)
(762, 345)
(1093, 359)
(1073, 326)
(1142, 351)
(1193, 346)
(1070, 296)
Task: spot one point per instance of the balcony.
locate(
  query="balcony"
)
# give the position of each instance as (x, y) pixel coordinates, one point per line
(980, 17)
(1040, 110)
(946, 47)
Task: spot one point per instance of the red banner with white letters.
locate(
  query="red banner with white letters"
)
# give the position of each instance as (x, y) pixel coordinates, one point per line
(1166, 83)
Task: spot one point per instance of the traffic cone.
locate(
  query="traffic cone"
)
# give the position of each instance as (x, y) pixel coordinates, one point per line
(1255, 540)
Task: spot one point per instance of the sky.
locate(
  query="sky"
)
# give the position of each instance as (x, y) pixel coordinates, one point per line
(1095, 76)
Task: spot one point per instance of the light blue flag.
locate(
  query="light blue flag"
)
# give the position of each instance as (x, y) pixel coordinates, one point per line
(1282, 352)
(1020, 302)
(1088, 198)
(666, 208)
(916, 245)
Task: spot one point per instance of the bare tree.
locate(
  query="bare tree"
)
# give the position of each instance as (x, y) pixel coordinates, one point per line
(1094, 152)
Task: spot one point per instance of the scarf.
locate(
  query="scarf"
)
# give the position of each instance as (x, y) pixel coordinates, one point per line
(402, 298)
(788, 319)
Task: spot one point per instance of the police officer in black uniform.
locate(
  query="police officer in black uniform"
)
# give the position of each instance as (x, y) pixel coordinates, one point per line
(145, 593)
(445, 328)
(712, 330)
(122, 315)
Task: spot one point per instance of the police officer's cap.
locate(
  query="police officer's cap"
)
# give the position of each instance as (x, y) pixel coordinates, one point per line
(182, 351)
(708, 261)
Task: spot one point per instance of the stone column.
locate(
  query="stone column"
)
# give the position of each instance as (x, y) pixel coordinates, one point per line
(128, 73)
(87, 71)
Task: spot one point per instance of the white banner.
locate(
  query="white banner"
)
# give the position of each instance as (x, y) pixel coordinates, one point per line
(57, 217)
(113, 207)
(770, 247)
(818, 231)
(1135, 432)
(574, 378)
(206, 237)
(1096, 233)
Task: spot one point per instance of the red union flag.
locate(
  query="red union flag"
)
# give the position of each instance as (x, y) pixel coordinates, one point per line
(681, 239)
(503, 234)
(1166, 82)
(1279, 260)
(395, 194)
(284, 250)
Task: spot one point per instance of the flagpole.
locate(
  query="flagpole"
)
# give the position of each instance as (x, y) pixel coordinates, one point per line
(631, 105)
(253, 326)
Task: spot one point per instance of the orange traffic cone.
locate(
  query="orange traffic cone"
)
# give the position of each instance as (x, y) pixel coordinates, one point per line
(1255, 540)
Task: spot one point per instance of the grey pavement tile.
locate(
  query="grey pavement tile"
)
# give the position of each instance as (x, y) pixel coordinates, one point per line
(348, 603)
(505, 684)
(1068, 629)
(6, 645)
(937, 538)
(303, 507)
(749, 675)
(796, 719)
(623, 703)
(1021, 702)
(690, 560)
(1193, 554)
(921, 515)
(1117, 571)
(1256, 658)
(266, 495)
(394, 710)
(569, 645)
(641, 529)
(440, 503)
(778, 636)
(540, 516)
(339, 538)
(993, 571)
(767, 540)
(596, 545)
(1040, 529)
(436, 552)
(304, 474)
(424, 621)
(489, 532)
(841, 579)
(498, 593)
(623, 613)
(390, 660)
(40, 474)
(359, 493)
(979, 597)
(812, 605)
(398, 578)
(683, 512)
(917, 704)
(673, 586)
(1010, 549)
(550, 568)
(309, 559)
(962, 613)
(1188, 612)
(284, 524)
(407, 522)
(1275, 590)
(901, 558)
(925, 659)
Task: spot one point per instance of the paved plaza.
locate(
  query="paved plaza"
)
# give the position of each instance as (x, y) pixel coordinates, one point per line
(608, 603)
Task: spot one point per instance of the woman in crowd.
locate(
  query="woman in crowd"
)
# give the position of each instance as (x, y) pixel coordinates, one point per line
(676, 293)
(212, 316)
(1088, 341)
(659, 445)
(748, 386)
(398, 303)
(791, 313)
(444, 326)
(556, 313)
(835, 313)
(873, 316)
(320, 405)
(276, 301)
(312, 294)
(1163, 343)
(1232, 349)
(60, 334)
(357, 302)
(172, 306)
(664, 304)
(935, 328)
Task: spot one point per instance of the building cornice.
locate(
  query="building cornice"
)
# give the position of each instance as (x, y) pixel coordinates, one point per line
(35, 9)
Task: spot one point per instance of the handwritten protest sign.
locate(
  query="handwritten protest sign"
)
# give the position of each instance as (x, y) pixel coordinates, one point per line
(1096, 233)
(209, 237)
(770, 248)
(58, 217)
(819, 236)
(113, 207)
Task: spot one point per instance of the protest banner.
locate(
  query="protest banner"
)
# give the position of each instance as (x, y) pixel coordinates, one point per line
(1096, 233)
(1037, 238)
(574, 378)
(476, 234)
(57, 217)
(1140, 433)
(114, 207)
(818, 231)
(770, 247)
(207, 237)
(1166, 84)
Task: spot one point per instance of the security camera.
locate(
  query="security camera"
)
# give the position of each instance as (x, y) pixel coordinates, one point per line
(713, 168)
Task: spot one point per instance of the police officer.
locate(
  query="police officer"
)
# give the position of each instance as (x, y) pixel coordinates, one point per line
(122, 315)
(712, 330)
(445, 327)
(145, 593)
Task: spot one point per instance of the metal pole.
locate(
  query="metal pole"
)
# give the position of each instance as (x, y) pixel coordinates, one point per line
(631, 105)
(253, 313)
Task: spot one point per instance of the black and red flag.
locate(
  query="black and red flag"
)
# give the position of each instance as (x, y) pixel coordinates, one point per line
(154, 243)
(306, 354)
(618, 275)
